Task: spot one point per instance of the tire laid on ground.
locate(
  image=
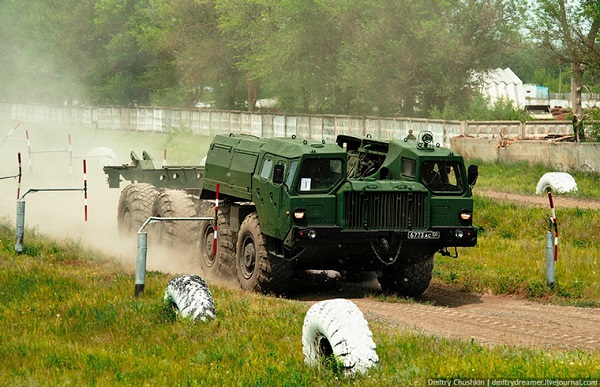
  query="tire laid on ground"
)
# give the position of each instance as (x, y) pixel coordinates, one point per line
(407, 280)
(192, 298)
(257, 269)
(135, 207)
(558, 182)
(338, 328)
(176, 203)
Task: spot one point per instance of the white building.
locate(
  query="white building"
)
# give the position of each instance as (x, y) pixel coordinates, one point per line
(503, 84)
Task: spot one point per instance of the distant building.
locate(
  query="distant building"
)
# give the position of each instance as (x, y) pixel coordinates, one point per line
(503, 84)
(533, 92)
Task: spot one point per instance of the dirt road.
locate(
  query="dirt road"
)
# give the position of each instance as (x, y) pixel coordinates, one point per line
(485, 319)
(541, 200)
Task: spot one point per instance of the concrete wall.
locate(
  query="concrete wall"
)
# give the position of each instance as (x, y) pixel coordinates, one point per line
(561, 156)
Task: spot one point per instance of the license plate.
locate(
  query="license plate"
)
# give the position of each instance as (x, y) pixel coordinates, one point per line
(423, 235)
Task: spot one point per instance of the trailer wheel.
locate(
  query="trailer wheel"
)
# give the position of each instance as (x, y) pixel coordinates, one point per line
(408, 280)
(257, 269)
(191, 297)
(337, 328)
(176, 203)
(135, 206)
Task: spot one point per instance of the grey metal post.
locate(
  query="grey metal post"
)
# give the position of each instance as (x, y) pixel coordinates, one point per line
(550, 257)
(20, 227)
(140, 271)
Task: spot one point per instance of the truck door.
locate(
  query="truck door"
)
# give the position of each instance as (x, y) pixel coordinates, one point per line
(269, 196)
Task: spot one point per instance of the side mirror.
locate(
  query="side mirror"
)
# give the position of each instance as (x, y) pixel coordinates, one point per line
(278, 173)
(472, 175)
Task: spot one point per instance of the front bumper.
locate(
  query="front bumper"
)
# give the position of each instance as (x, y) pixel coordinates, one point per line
(460, 236)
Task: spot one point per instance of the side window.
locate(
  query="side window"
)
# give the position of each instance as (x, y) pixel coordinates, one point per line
(265, 171)
(292, 172)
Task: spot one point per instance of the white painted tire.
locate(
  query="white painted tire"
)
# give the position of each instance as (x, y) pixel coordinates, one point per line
(337, 327)
(558, 182)
(191, 297)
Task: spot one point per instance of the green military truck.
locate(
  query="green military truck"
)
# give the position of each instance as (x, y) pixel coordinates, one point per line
(291, 204)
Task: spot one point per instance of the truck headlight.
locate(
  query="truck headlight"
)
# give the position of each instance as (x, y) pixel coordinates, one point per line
(466, 215)
(299, 213)
(459, 233)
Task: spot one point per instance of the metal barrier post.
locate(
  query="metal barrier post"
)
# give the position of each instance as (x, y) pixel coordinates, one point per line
(550, 256)
(142, 249)
(20, 227)
(140, 270)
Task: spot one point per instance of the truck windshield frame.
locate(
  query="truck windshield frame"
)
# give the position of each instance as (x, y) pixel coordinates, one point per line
(443, 176)
(319, 175)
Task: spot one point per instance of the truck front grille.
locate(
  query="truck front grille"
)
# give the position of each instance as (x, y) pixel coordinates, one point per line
(384, 210)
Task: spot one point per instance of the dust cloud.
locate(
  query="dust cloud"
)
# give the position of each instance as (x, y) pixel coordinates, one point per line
(50, 162)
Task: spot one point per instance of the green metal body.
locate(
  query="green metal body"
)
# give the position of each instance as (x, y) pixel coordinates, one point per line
(359, 201)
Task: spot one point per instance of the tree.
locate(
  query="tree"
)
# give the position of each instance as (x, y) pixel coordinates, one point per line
(132, 64)
(411, 57)
(570, 31)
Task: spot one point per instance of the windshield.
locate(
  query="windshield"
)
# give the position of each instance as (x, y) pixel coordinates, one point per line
(318, 175)
(442, 176)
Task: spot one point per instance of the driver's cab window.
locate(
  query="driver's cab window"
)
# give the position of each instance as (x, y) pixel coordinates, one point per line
(441, 176)
(319, 174)
(265, 171)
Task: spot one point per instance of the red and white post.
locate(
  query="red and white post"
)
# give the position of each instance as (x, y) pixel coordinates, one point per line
(216, 219)
(85, 191)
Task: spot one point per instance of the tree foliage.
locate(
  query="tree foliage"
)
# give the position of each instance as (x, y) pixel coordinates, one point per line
(570, 31)
(380, 57)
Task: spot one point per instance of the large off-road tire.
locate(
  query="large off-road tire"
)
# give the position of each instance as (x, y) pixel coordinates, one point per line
(135, 207)
(226, 240)
(257, 269)
(178, 204)
(558, 182)
(337, 328)
(407, 280)
(191, 297)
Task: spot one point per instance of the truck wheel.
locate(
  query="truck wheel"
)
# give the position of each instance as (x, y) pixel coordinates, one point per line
(226, 239)
(337, 328)
(176, 203)
(257, 269)
(209, 263)
(408, 280)
(135, 206)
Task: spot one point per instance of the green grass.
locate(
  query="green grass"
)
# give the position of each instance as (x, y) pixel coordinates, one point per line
(68, 316)
(510, 256)
(523, 178)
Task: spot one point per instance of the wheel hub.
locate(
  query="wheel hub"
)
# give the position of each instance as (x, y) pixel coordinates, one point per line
(248, 259)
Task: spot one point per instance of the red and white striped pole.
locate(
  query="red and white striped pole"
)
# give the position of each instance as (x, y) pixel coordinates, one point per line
(165, 157)
(85, 191)
(555, 225)
(216, 219)
(19, 176)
